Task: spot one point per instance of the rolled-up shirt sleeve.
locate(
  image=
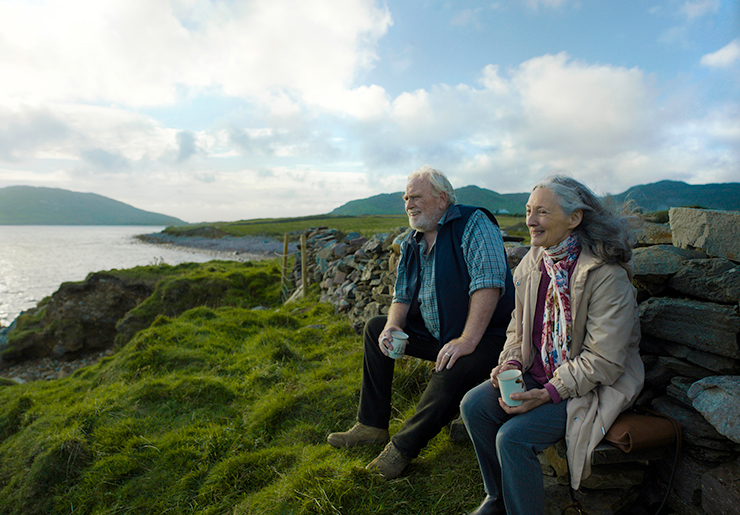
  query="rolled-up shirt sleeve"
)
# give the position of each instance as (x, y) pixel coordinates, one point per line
(483, 248)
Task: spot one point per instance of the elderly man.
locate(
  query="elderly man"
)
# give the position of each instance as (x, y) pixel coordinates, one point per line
(453, 297)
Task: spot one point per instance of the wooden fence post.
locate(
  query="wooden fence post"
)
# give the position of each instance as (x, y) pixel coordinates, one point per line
(304, 270)
(284, 274)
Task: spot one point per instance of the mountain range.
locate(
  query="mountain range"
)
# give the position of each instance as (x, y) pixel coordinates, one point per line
(30, 205)
(658, 196)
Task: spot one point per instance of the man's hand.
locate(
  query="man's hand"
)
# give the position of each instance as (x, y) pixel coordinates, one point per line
(385, 339)
(482, 305)
(453, 350)
(531, 399)
(395, 322)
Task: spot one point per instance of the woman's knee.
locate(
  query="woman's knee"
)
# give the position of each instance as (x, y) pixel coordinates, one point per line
(516, 436)
(504, 436)
(475, 402)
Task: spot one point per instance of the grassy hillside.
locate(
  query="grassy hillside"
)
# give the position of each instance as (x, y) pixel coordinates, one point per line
(221, 409)
(27, 205)
(278, 227)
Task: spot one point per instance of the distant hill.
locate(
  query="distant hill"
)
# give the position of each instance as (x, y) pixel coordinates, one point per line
(28, 205)
(657, 196)
(663, 195)
(392, 203)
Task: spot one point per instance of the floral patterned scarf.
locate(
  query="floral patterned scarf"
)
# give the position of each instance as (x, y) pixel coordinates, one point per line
(556, 324)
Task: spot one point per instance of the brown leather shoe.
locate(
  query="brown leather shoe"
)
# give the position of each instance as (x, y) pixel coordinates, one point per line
(360, 434)
(390, 462)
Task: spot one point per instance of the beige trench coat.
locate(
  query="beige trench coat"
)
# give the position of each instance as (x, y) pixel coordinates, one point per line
(605, 373)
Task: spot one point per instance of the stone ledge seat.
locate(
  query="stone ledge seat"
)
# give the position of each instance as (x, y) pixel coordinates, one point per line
(607, 454)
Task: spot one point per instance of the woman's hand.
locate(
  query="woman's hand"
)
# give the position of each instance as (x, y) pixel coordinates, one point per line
(531, 399)
(496, 371)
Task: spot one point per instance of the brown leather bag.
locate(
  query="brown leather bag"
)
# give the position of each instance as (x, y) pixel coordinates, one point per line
(637, 429)
(634, 431)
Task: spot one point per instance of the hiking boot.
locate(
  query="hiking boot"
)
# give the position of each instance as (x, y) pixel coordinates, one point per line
(390, 463)
(360, 434)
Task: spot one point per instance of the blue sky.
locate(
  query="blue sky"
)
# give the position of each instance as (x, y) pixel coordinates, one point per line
(226, 110)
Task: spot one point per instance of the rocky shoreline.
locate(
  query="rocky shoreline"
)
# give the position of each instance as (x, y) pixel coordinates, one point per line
(48, 369)
(237, 248)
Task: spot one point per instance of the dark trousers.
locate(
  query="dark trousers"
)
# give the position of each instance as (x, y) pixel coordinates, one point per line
(440, 401)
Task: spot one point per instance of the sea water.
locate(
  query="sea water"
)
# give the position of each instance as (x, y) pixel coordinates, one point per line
(36, 260)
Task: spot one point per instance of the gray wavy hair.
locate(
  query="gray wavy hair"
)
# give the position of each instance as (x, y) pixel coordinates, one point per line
(439, 181)
(604, 233)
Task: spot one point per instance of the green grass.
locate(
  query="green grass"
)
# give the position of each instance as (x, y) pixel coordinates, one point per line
(176, 289)
(219, 408)
(278, 227)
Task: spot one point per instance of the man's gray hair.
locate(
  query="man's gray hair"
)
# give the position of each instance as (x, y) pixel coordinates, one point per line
(439, 181)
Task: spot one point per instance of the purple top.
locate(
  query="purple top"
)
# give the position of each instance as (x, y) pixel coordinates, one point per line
(537, 371)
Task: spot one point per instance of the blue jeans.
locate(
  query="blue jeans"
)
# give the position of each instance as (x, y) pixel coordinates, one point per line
(507, 445)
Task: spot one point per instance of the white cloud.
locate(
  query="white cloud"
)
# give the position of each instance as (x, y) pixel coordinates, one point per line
(411, 111)
(534, 4)
(492, 80)
(92, 51)
(212, 194)
(693, 9)
(569, 106)
(467, 17)
(108, 97)
(724, 57)
(549, 113)
(364, 102)
(69, 131)
(254, 193)
(141, 53)
(26, 132)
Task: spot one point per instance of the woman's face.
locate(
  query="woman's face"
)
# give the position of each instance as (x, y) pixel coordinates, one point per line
(548, 224)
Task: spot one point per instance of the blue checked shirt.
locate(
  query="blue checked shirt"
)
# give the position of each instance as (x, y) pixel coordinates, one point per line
(483, 249)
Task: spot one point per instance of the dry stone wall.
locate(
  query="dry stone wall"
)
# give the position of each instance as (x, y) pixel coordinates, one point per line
(687, 274)
(356, 273)
(690, 293)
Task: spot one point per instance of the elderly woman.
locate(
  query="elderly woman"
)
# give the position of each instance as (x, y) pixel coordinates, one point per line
(574, 334)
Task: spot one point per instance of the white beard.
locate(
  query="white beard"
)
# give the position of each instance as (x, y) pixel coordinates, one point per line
(424, 223)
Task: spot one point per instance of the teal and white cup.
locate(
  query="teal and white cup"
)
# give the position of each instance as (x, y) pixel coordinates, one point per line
(399, 341)
(511, 381)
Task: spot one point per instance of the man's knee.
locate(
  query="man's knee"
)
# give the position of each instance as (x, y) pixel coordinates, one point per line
(374, 327)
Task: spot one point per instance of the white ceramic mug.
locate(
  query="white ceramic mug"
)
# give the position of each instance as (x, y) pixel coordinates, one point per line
(511, 381)
(399, 342)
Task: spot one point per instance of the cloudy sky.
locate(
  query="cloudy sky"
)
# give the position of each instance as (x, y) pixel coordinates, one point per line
(236, 109)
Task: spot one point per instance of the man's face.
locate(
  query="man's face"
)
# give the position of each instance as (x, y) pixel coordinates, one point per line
(423, 208)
